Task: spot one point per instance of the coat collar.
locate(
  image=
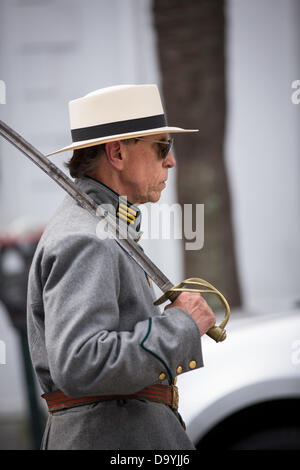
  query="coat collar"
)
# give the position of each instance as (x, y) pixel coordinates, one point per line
(117, 205)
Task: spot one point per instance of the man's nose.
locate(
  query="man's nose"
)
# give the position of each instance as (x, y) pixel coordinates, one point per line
(170, 161)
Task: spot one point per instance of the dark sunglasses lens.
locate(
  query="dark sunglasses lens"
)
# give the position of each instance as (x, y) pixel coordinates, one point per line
(165, 148)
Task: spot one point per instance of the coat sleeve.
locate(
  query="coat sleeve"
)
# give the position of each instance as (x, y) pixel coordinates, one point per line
(87, 353)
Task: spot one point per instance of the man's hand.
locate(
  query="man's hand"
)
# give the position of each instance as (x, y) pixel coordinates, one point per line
(195, 305)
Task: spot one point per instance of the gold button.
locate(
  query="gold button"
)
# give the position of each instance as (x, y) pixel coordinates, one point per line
(192, 364)
(162, 376)
(179, 369)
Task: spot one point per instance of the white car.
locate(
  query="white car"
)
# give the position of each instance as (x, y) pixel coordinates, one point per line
(247, 395)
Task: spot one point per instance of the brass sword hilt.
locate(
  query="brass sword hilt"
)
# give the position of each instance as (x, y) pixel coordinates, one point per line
(217, 333)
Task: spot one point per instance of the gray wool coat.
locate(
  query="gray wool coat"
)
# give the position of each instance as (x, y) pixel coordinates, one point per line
(93, 330)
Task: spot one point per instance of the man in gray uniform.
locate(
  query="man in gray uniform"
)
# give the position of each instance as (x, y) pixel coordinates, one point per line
(105, 356)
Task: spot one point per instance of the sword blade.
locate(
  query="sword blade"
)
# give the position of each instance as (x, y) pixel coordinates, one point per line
(126, 242)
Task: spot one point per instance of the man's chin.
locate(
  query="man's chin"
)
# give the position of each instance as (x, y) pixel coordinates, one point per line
(153, 197)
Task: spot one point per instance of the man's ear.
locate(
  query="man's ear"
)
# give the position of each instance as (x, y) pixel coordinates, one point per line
(114, 154)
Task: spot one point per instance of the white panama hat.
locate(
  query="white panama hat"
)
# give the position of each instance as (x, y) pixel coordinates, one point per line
(117, 113)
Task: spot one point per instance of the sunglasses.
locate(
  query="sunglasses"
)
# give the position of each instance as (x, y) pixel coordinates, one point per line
(164, 145)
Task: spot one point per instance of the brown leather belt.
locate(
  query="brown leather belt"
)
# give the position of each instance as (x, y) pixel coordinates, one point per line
(167, 394)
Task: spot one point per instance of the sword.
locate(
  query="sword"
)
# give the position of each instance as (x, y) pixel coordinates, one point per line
(122, 237)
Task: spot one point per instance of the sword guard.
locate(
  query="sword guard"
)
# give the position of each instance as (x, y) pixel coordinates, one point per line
(217, 333)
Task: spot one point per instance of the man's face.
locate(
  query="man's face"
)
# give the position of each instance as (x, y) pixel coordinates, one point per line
(145, 171)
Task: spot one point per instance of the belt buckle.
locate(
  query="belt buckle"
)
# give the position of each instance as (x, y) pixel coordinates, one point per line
(175, 397)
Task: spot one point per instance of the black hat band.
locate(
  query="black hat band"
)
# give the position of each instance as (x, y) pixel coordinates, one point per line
(120, 127)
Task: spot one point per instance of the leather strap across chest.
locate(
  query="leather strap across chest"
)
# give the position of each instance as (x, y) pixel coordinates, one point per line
(166, 394)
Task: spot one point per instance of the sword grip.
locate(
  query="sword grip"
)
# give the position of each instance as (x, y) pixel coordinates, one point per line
(173, 296)
(217, 333)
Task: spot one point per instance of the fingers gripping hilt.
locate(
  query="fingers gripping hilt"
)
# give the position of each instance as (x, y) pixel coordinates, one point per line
(217, 333)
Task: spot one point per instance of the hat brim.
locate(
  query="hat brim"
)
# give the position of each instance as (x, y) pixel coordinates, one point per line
(103, 140)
